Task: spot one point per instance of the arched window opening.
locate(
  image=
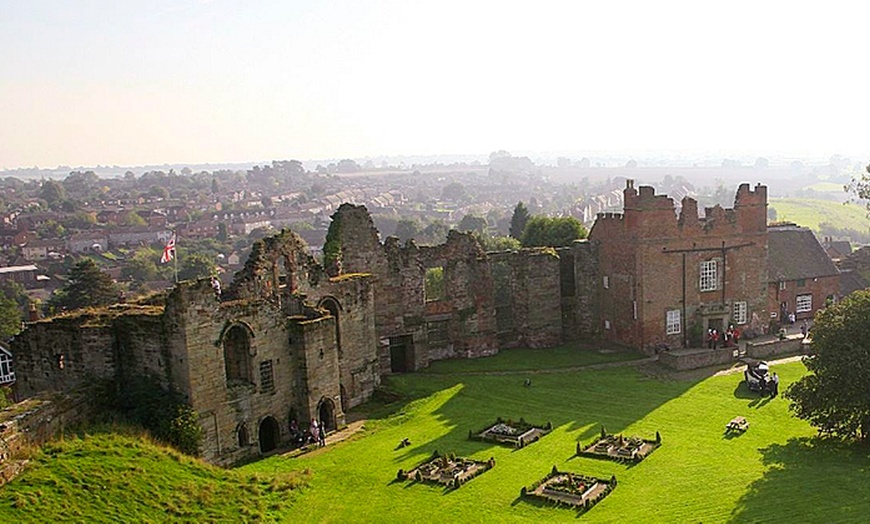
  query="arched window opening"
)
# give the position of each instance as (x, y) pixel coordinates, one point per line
(331, 305)
(242, 434)
(237, 354)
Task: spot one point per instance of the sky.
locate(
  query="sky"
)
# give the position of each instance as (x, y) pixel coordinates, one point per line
(121, 82)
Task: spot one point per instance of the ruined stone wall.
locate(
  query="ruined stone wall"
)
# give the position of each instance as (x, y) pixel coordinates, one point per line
(58, 353)
(318, 361)
(534, 305)
(585, 323)
(353, 298)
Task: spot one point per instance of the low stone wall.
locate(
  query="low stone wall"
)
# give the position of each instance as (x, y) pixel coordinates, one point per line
(769, 349)
(32, 423)
(685, 359)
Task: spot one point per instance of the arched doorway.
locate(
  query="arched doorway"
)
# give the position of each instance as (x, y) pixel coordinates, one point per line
(326, 413)
(269, 434)
(242, 435)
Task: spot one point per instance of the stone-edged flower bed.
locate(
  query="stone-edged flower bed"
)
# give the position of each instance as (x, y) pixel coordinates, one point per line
(448, 470)
(512, 433)
(570, 489)
(619, 447)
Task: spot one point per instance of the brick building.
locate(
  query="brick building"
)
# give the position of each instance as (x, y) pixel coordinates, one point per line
(668, 277)
(803, 278)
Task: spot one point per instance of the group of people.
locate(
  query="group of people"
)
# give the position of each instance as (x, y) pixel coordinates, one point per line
(770, 385)
(316, 433)
(731, 337)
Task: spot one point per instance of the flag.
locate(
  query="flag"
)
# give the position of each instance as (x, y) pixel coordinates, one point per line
(169, 250)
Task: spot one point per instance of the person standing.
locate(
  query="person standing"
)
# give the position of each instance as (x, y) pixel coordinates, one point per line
(321, 437)
(313, 431)
(774, 385)
(804, 329)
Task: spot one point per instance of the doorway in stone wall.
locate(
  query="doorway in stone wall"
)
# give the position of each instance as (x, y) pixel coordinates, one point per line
(326, 413)
(269, 434)
(401, 354)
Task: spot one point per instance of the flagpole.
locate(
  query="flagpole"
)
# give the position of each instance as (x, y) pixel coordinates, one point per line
(175, 249)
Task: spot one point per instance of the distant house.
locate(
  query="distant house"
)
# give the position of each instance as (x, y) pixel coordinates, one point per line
(88, 241)
(24, 275)
(7, 374)
(135, 236)
(837, 249)
(43, 249)
(801, 274)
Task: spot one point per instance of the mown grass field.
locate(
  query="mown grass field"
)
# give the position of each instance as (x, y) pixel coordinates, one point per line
(811, 212)
(775, 472)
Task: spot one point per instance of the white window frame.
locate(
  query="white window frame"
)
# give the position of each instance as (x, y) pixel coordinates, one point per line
(607, 324)
(803, 303)
(673, 324)
(606, 282)
(709, 276)
(740, 312)
(7, 375)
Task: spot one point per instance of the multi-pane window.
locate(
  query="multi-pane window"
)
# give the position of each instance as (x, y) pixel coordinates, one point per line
(6, 374)
(709, 275)
(673, 324)
(740, 312)
(267, 378)
(804, 303)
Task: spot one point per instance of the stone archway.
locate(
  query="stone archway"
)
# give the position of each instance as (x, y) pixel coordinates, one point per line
(334, 307)
(269, 434)
(326, 413)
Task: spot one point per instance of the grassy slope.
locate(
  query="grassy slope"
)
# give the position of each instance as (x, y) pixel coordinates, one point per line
(769, 474)
(810, 213)
(108, 477)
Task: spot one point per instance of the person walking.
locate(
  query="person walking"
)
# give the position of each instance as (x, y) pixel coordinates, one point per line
(774, 385)
(804, 329)
(321, 437)
(313, 431)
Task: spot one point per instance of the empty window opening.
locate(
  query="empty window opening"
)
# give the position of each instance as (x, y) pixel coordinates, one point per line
(237, 354)
(434, 287)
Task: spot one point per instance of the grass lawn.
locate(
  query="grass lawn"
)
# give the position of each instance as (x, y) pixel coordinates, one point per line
(772, 473)
(775, 472)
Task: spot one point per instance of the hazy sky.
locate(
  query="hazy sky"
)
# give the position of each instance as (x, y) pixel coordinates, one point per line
(185, 81)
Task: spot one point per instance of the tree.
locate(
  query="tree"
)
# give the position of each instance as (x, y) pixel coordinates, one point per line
(196, 265)
(86, 286)
(10, 318)
(472, 223)
(835, 395)
(50, 229)
(133, 218)
(52, 192)
(407, 228)
(554, 232)
(519, 220)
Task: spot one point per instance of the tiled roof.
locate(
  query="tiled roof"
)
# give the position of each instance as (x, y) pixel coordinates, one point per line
(794, 253)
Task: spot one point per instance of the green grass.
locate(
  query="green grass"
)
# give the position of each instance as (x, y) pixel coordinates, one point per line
(116, 477)
(775, 472)
(810, 213)
(532, 359)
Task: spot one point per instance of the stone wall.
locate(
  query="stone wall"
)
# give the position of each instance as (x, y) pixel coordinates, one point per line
(685, 359)
(793, 345)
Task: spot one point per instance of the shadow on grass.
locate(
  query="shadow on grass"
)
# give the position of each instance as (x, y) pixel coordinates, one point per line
(583, 401)
(809, 479)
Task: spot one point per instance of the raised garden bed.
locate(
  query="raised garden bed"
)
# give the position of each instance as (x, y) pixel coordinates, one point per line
(448, 470)
(570, 489)
(512, 433)
(620, 447)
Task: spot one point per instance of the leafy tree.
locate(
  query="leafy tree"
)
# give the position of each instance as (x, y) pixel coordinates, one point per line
(407, 228)
(52, 192)
(10, 318)
(133, 219)
(472, 223)
(434, 287)
(86, 286)
(454, 192)
(223, 234)
(142, 265)
(555, 232)
(835, 395)
(519, 220)
(50, 229)
(196, 265)
(503, 243)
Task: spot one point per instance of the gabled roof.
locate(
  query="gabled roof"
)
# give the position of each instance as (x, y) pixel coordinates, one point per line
(851, 280)
(794, 253)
